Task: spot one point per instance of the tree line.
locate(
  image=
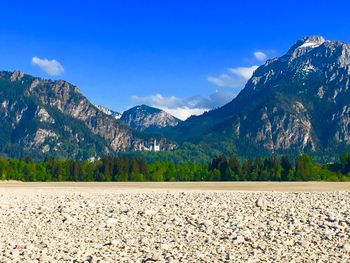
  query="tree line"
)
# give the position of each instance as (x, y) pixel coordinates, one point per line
(125, 168)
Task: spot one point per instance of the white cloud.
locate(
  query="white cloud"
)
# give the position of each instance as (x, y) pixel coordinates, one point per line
(225, 80)
(243, 72)
(259, 55)
(183, 108)
(51, 67)
(157, 100)
(184, 112)
(234, 78)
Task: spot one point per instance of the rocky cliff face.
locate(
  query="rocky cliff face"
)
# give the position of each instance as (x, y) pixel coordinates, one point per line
(145, 117)
(68, 100)
(53, 117)
(297, 102)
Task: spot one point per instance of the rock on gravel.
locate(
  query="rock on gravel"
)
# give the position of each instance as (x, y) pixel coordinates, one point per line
(261, 202)
(106, 226)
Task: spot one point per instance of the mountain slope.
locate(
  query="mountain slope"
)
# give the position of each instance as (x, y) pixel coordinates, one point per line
(145, 117)
(52, 117)
(297, 102)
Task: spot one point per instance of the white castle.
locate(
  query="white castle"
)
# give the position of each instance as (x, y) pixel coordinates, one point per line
(152, 147)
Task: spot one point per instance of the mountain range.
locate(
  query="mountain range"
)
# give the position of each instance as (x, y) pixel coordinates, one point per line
(298, 102)
(43, 117)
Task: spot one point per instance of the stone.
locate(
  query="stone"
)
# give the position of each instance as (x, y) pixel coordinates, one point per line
(261, 203)
(346, 247)
(239, 239)
(111, 221)
(331, 217)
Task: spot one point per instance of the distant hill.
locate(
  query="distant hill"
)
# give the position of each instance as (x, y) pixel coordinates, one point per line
(144, 117)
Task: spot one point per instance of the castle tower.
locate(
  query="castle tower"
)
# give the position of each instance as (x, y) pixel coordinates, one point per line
(156, 148)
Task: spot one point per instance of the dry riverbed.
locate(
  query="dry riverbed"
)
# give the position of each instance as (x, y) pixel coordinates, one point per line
(177, 222)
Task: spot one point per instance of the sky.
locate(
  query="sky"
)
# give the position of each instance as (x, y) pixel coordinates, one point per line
(182, 56)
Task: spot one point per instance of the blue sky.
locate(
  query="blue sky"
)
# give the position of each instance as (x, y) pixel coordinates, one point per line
(183, 56)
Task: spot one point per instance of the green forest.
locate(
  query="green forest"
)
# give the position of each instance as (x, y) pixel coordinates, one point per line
(137, 169)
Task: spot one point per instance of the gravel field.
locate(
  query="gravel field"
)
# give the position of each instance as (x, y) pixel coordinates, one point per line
(104, 224)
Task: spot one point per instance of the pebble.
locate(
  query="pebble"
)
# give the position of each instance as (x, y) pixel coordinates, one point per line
(261, 202)
(111, 221)
(240, 239)
(346, 247)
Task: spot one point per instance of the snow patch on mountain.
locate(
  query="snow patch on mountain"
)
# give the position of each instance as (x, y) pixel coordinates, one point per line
(109, 112)
(310, 44)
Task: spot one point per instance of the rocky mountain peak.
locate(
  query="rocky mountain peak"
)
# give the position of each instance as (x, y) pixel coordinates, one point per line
(310, 57)
(313, 40)
(294, 103)
(144, 117)
(17, 76)
(315, 48)
(307, 42)
(304, 45)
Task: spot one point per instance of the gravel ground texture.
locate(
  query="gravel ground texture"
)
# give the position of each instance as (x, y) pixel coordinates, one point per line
(66, 225)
